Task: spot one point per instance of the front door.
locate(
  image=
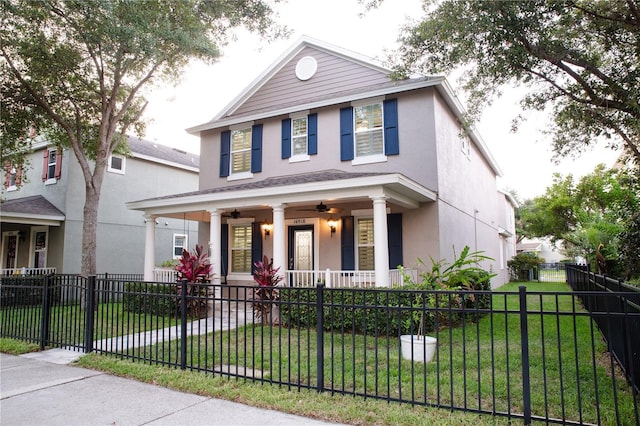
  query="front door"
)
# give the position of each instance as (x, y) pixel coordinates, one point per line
(10, 250)
(301, 255)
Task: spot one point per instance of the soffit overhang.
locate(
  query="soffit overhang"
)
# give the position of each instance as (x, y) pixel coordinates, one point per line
(395, 187)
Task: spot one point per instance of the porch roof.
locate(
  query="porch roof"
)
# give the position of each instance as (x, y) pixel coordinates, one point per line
(34, 210)
(297, 189)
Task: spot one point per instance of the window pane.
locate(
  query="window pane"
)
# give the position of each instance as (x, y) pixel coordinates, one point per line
(365, 259)
(369, 143)
(241, 161)
(241, 139)
(368, 117)
(116, 163)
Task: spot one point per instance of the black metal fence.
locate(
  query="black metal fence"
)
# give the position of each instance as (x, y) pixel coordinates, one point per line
(529, 355)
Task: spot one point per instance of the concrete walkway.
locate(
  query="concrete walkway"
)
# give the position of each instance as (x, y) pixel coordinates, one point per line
(40, 389)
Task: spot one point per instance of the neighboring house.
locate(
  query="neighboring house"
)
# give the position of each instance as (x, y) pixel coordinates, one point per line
(325, 163)
(41, 214)
(542, 248)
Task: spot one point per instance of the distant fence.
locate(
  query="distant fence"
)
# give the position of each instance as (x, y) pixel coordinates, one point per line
(617, 315)
(528, 355)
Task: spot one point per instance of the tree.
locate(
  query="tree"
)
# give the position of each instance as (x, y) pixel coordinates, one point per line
(600, 209)
(579, 57)
(76, 71)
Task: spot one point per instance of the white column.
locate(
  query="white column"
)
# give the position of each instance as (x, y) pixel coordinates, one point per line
(279, 255)
(149, 246)
(380, 241)
(214, 244)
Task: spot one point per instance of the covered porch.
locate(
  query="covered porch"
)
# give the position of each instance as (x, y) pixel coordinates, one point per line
(343, 229)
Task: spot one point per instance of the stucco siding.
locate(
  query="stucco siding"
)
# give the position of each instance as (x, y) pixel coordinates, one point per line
(417, 159)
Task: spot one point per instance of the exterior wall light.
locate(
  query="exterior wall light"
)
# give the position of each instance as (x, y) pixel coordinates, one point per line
(332, 225)
(266, 228)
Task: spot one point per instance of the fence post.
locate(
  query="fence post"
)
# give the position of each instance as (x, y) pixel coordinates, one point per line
(183, 325)
(320, 336)
(524, 347)
(88, 314)
(45, 319)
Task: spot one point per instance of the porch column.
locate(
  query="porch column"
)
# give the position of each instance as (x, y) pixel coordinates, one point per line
(149, 246)
(279, 255)
(214, 244)
(380, 241)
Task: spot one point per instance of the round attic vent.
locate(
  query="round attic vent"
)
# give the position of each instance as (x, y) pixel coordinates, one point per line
(306, 68)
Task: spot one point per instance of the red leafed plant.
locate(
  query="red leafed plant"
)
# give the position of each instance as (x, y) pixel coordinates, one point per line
(194, 266)
(267, 278)
(264, 273)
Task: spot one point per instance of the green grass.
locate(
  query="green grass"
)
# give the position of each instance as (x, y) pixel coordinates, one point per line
(17, 347)
(110, 320)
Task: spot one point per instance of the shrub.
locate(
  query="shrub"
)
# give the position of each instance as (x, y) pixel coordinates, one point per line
(521, 264)
(150, 298)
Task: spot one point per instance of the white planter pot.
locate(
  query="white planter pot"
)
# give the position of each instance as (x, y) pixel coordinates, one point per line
(418, 348)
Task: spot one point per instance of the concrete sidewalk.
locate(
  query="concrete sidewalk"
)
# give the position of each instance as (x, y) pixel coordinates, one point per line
(40, 389)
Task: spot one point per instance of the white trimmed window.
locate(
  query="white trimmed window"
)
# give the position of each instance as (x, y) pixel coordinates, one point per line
(180, 243)
(116, 164)
(368, 130)
(241, 151)
(299, 142)
(12, 183)
(241, 248)
(365, 244)
(52, 159)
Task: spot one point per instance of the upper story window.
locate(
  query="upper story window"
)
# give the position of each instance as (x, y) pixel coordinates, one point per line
(12, 177)
(51, 165)
(369, 131)
(241, 151)
(465, 144)
(300, 136)
(116, 164)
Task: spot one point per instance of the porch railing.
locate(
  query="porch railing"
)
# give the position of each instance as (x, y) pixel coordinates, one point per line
(343, 279)
(26, 271)
(165, 275)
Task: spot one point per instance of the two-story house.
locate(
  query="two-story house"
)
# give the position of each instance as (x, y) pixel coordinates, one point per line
(339, 173)
(41, 214)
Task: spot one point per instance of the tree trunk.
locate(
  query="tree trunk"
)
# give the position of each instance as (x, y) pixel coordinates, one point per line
(90, 229)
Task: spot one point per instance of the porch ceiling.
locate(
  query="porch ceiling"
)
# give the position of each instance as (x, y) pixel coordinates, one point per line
(291, 191)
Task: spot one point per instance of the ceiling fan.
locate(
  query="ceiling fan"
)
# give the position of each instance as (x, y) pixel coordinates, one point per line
(321, 208)
(234, 214)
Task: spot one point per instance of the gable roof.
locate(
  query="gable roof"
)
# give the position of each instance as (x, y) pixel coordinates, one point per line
(331, 88)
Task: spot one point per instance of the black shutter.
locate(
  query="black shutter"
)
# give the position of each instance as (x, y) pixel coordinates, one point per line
(256, 244)
(346, 134)
(224, 250)
(286, 138)
(391, 144)
(225, 152)
(347, 244)
(256, 148)
(312, 134)
(394, 231)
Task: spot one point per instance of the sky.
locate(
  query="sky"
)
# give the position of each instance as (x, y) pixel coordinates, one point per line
(525, 157)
